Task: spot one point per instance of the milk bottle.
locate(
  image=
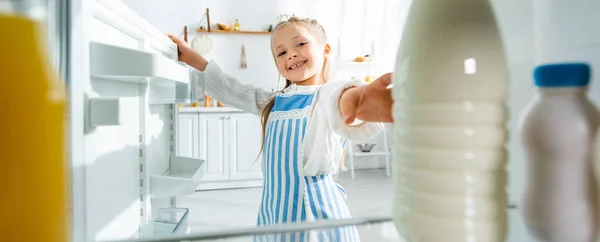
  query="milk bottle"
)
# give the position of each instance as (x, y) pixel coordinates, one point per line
(450, 124)
(557, 131)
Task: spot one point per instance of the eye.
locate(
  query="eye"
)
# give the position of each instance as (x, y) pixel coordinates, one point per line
(301, 44)
(282, 53)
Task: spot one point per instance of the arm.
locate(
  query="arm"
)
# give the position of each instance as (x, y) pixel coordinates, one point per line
(231, 92)
(331, 99)
(223, 87)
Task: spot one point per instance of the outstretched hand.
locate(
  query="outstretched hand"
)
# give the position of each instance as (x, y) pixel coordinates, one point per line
(187, 54)
(370, 103)
(184, 50)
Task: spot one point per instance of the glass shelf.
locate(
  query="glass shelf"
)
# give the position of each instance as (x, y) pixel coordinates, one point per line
(170, 222)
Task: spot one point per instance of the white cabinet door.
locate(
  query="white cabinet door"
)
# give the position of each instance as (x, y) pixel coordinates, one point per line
(244, 146)
(188, 135)
(212, 146)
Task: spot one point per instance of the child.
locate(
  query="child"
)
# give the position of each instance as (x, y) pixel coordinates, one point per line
(302, 126)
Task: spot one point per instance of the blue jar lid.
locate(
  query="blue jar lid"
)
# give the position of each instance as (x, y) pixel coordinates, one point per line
(562, 75)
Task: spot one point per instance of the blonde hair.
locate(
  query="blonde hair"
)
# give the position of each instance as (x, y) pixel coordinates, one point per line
(319, 33)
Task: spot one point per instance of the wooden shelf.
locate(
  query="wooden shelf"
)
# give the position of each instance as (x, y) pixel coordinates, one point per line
(217, 31)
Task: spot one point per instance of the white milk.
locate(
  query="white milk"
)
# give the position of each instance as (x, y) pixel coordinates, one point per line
(450, 124)
(557, 130)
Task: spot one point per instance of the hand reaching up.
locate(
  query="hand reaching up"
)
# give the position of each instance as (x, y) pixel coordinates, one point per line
(186, 54)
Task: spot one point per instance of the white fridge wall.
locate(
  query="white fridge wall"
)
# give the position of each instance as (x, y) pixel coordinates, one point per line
(159, 149)
(113, 190)
(113, 179)
(110, 193)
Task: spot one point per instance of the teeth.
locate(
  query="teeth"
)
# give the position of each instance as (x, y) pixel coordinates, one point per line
(296, 65)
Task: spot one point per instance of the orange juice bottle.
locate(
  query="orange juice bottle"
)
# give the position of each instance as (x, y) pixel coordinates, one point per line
(34, 200)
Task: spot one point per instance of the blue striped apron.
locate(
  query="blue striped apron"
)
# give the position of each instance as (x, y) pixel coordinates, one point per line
(289, 196)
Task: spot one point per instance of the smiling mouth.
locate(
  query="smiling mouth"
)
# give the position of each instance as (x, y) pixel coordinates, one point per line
(299, 64)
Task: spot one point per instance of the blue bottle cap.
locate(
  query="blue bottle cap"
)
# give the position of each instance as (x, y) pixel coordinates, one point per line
(562, 75)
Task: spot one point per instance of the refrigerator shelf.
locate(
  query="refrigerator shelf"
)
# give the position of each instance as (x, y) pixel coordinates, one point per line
(169, 222)
(128, 65)
(182, 178)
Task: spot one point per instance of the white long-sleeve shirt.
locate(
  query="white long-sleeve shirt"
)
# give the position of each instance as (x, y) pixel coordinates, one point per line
(323, 149)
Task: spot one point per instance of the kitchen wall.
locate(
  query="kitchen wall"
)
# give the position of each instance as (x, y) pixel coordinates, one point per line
(353, 28)
(172, 16)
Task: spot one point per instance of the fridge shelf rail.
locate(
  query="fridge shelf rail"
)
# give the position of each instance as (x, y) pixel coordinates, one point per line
(116, 63)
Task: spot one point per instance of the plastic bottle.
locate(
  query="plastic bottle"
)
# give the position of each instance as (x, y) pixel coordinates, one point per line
(236, 25)
(557, 131)
(208, 100)
(35, 191)
(450, 124)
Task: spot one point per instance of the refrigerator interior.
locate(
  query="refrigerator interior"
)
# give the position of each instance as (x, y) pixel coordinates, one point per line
(124, 81)
(124, 77)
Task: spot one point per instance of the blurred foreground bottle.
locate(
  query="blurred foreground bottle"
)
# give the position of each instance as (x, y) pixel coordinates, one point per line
(450, 124)
(34, 204)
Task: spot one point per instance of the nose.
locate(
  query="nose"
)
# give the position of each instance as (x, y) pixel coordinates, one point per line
(293, 56)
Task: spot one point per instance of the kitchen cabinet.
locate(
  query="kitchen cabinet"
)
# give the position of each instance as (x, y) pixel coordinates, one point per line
(213, 146)
(245, 142)
(228, 140)
(187, 135)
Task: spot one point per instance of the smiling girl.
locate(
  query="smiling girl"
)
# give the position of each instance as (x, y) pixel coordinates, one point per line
(304, 126)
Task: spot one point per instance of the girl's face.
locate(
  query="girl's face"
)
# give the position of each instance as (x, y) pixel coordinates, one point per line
(298, 54)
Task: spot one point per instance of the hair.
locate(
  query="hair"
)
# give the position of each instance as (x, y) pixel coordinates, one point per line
(319, 33)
